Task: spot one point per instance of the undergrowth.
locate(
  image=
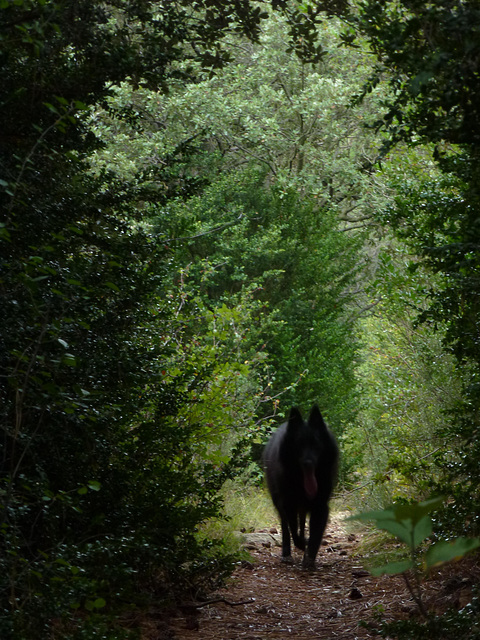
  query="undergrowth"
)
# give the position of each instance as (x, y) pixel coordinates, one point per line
(246, 508)
(452, 625)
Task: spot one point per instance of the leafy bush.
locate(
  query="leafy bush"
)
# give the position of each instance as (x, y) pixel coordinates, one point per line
(413, 526)
(102, 489)
(408, 384)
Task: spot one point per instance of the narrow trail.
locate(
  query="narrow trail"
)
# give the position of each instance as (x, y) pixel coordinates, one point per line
(268, 599)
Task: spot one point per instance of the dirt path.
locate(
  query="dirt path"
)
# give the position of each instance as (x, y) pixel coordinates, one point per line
(266, 599)
(281, 600)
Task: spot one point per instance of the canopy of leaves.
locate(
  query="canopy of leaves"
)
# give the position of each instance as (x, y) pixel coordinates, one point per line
(432, 53)
(101, 479)
(289, 164)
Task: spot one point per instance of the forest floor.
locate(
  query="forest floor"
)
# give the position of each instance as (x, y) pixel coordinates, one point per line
(267, 599)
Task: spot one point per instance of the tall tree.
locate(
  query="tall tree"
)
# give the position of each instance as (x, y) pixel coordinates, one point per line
(291, 197)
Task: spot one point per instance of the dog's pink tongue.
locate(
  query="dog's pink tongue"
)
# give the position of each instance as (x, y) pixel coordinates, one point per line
(310, 484)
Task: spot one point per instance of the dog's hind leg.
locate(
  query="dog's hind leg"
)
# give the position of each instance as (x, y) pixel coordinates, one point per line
(318, 522)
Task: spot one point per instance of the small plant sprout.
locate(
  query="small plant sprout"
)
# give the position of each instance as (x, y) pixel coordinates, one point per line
(412, 525)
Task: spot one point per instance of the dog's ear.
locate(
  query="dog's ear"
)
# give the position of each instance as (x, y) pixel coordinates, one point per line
(315, 419)
(295, 419)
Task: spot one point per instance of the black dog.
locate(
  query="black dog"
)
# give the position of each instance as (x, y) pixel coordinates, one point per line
(300, 461)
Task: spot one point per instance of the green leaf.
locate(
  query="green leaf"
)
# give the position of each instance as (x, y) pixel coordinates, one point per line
(387, 521)
(392, 568)
(4, 233)
(69, 360)
(398, 529)
(410, 523)
(62, 562)
(444, 551)
(51, 107)
(372, 515)
(98, 603)
(421, 530)
(417, 510)
(93, 485)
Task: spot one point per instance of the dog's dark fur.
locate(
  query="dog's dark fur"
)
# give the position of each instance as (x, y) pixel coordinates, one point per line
(300, 461)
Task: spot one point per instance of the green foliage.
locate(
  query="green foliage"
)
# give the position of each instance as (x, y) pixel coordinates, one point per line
(221, 380)
(408, 384)
(248, 507)
(412, 525)
(182, 250)
(269, 248)
(104, 481)
(98, 472)
(452, 625)
(290, 118)
(443, 231)
(269, 132)
(431, 53)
